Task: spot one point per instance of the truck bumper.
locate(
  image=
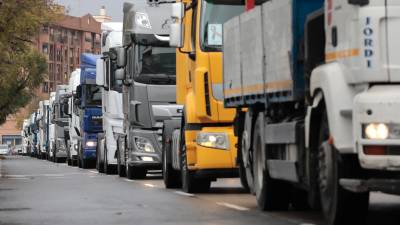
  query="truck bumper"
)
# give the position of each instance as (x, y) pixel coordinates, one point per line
(391, 186)
(206, 158)
(380, 104)
(140, 158)
(88, 153)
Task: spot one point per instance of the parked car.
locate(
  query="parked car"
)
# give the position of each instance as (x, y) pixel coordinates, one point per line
(4, 149)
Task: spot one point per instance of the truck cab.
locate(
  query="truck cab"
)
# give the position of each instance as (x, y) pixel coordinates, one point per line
(32, 132)
(25, 137)
(74, 119)
(113, 116)
(60, 119)
(203, 147)
(149, 86)
(89, 103)
(43, 124)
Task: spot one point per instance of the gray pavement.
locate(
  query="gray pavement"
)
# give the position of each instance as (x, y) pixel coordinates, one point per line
(40, 192)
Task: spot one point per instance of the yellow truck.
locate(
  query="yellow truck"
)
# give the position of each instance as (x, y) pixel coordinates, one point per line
(202, 146)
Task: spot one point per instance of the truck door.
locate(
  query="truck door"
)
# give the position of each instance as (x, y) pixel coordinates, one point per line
(392, 22)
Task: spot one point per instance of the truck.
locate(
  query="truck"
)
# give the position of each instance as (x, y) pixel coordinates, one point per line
(113, 117)
(74, 119)
(315, 89)
(60, 121)
(88, 100)
(50, 149)
(43, 125)
(25, 137)
(202, 147)
(148, 76)
(32, 134)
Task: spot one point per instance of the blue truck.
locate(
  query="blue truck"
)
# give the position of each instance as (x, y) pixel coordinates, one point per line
(88, 100)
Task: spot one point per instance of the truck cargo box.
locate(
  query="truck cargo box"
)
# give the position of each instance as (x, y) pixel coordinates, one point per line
(263, 58)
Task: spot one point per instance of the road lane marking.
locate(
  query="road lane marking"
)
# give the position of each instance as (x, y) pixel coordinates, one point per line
(93, 171)
(233, 206)
(18, 178)
(149, 185)
(184, 194)
(129, 180)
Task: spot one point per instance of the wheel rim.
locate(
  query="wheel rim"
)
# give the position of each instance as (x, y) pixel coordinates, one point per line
(326, 176)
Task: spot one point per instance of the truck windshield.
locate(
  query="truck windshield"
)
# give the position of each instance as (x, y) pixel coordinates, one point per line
(93, 95)
(214, 15)
(156, 65)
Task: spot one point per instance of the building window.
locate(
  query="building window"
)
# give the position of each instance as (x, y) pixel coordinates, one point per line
(88, 37)
(45, 87)
(45, 48)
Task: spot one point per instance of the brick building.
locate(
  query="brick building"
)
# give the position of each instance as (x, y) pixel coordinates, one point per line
(62, 43)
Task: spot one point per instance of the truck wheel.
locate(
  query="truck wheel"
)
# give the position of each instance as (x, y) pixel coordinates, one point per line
(246, 166)
(189, 183)
(338, 205)
(85, 163)
(69, 162)
(99, 164)
(120, 168)
(171, 177)
(129, 172)
(108, 169)
(271, 194)
(242, 169)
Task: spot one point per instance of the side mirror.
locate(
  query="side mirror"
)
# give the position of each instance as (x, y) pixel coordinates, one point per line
(78, 91)
(121, 57)
(120, 74)
(100, 73)
(178, 10)
(77, 102)
(176, 32)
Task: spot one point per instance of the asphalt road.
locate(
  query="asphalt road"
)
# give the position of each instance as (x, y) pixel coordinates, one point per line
(40, 192)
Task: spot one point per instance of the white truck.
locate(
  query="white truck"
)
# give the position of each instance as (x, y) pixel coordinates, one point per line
(50, 150)
(74, 120)
(25, 137)
(316, 88)
(113, 116)
(43, 119)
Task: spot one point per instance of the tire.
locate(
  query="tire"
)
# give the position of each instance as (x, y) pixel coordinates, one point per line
(74, 162)
(246, 167)
(270, 194)
(69, 162)
(129, 172)
(338, 205)
(242, 169)
(120, 168)
(85, 164)
(99, 164)
(189, 183)
(170, 176)
(108, 169)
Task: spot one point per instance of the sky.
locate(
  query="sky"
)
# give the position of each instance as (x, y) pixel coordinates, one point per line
(82, 7)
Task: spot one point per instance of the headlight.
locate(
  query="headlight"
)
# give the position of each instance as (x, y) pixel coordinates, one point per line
(381, 131)
(75, 146)
(143, 144)
(212, 140)
(91, 143)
